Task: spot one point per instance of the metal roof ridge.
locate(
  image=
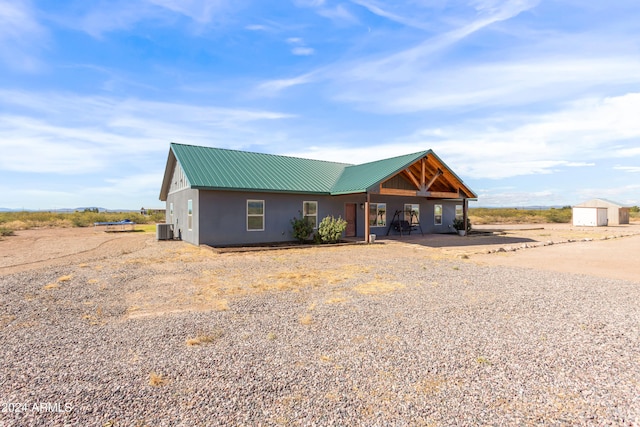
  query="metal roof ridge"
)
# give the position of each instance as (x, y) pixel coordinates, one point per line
(262, 154)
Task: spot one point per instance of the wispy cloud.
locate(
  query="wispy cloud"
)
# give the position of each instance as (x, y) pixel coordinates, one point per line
(21, 35)
(309, 3)
(273, 87)
(338, 14)
(398, 80)
(101, 18)
(376, 9)
(630, 169)
(300, 47)
(580, 135)
(202, 11)
(70, 134)
(302, 51)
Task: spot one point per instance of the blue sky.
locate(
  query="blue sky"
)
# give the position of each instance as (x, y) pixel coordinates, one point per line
(531, 102)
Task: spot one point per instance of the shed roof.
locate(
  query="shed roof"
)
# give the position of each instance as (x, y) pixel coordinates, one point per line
(599, 203)
(223, 169)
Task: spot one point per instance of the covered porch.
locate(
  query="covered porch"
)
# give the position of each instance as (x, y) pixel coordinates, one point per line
(423, 197)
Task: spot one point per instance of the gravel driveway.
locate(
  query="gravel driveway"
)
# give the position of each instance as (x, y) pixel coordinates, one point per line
(166, 334)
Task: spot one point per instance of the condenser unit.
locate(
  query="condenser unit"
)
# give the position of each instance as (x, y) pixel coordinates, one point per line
(164, 231)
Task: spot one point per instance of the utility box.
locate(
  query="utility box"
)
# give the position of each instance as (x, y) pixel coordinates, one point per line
(590, 217)
(164, 232)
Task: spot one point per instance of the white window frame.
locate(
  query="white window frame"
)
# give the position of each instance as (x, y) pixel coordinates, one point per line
(377, 223)
(254, 215)
(407, 213)
(437, 217)
(306, 214)
(190, 214)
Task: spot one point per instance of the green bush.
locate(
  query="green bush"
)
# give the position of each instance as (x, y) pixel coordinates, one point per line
(6, 231)
(330, 229)
(458, 224)
(520, 216)
(302, 228)
(558, 215)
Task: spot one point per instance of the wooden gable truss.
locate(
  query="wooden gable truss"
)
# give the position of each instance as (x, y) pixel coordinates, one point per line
(427, 177)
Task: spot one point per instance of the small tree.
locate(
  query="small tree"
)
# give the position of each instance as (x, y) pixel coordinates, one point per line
(330, 229)
(302, 228)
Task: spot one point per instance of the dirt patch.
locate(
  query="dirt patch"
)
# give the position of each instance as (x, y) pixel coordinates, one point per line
(610, 258)
(37, 248)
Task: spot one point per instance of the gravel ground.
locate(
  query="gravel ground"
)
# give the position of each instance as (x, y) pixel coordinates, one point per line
(165, 334)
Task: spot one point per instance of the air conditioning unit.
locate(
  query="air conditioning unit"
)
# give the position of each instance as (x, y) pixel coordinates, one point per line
(164, 231)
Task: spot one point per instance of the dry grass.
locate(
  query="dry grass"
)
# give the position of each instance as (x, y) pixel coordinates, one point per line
(430, 386)
(483, 360)
(156, 380)
(336, 299)
(205, 338)
(56, 284)
(306, 319)
(6, 319)
(94, 319)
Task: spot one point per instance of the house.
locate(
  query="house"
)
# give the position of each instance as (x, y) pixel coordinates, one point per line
(223, 197)
(615, 213)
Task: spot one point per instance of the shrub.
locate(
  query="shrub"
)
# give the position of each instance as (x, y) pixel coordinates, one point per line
(6, 231)
(458, 224)
(330, 229)
(302, 228)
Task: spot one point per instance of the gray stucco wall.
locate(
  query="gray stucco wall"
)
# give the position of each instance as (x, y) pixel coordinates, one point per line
(180, 218)
(223, 215)
(220, 217)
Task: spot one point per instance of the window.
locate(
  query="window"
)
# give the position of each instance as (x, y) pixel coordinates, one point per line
(412, 214)
(310, 211)
(377, 214)
(190, 214)
(255, 215)
(437, 214)
(459, 212)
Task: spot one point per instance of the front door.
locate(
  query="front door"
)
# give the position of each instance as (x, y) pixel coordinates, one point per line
(351, 210)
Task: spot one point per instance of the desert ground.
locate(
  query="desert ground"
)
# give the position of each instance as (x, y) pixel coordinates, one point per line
(518, 325)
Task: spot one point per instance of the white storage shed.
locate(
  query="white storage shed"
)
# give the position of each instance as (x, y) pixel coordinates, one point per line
(616, 213)
(592, 217)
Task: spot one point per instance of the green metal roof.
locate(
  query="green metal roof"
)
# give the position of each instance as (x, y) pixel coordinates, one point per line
(359, 178)
(221, 169)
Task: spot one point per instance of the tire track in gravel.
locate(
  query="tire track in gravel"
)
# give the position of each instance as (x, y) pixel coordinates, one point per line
(105, 249)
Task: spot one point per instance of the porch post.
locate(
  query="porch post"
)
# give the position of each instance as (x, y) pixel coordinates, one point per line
(465, 215)
(367, 229)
